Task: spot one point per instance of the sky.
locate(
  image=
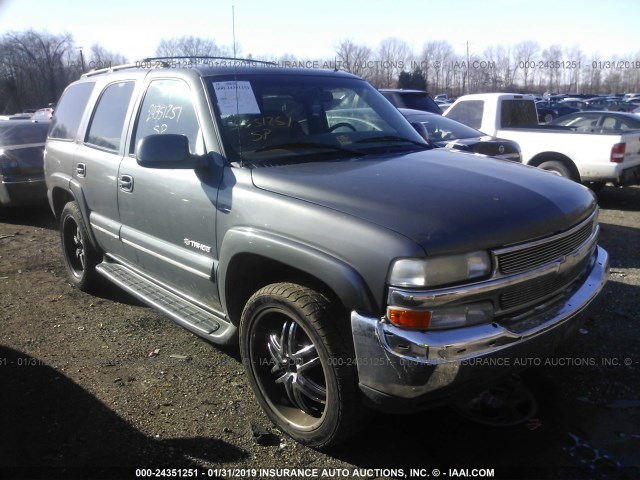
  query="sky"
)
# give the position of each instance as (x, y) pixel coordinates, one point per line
(311, 30)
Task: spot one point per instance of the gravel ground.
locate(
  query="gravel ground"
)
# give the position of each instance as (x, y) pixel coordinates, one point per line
(99, 386)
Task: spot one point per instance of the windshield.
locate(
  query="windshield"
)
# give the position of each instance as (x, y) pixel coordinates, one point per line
(266, 117)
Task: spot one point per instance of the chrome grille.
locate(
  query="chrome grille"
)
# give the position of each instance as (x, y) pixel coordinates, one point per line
(530, 256)
(530, 292)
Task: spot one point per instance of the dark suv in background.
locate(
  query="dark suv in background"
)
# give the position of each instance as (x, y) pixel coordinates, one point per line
(297, 213)
(413, 99)
(21, 156)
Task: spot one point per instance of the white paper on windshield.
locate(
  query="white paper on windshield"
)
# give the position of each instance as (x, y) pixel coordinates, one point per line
(235, 97)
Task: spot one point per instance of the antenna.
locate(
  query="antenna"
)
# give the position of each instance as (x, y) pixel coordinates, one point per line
(233, 28)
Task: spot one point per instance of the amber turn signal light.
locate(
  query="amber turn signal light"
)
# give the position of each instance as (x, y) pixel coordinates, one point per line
(409, 318)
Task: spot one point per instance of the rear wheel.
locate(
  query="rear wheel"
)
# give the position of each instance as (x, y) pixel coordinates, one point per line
(80, 257)
(300, 366)
(557, 168)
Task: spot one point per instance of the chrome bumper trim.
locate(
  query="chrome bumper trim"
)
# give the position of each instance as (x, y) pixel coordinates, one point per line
(410, 364)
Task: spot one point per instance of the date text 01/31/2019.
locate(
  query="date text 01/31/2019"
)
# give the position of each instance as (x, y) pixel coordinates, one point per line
(576, 64)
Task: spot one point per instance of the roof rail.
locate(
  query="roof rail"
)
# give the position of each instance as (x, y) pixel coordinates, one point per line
(111, 69)
(203, 57)
(164, 62)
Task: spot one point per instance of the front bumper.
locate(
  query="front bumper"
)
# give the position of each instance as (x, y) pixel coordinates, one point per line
(403, 370)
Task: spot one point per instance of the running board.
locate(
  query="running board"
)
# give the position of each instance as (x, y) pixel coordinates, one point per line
(192, 317)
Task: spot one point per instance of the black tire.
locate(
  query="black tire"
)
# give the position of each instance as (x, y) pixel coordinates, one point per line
(80, 257)
(558, 168)
(300, 367)
(596, 186)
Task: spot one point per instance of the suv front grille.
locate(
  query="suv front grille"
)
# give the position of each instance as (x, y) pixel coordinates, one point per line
(530, 256)
(531, 292)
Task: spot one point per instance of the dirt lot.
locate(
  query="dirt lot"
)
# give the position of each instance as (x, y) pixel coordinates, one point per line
(99, 386)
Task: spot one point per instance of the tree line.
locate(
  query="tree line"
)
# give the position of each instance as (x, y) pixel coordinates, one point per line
(35, 67)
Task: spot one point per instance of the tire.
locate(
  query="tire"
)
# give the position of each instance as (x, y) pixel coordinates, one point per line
(548, 118)
(557, 168)
(80, 258)
(300, 367)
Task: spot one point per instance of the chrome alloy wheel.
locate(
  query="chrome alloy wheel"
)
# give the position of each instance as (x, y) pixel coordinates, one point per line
(288, 369)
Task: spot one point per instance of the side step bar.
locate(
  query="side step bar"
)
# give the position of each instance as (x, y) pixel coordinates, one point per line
(192, 317)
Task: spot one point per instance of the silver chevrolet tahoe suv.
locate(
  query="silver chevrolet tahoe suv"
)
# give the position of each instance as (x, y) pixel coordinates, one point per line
(297, 213)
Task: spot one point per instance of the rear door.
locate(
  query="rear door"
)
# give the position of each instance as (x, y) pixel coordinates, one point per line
(98, 160)
(169, 215)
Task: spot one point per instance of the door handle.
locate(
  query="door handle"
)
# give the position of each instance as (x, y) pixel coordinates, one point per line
(81, 170)
(125, 182)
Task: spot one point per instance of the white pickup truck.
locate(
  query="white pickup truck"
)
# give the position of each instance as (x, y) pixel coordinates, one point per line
(594, 158)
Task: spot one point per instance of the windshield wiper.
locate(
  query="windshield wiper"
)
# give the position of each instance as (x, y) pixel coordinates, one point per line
(303, 145)
(393, 138)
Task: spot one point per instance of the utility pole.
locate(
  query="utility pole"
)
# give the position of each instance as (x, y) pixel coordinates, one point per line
(468, 78)
(81, 60)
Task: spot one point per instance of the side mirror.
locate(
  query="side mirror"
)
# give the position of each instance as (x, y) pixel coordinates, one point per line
(168, 150)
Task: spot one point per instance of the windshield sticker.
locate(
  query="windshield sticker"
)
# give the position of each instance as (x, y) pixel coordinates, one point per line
(235, 97)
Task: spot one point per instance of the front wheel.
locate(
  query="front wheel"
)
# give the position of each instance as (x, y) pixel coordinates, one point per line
(80, 258)
(301, 368)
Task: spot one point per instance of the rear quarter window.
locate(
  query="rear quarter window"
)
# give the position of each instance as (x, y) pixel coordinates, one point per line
(66, 120)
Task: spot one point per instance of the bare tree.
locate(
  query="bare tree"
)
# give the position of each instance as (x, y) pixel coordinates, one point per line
(392, 57)
(435, 61)
(525, 53)
(354, 58)
(190, 46)
(103, 58)
(33, 67)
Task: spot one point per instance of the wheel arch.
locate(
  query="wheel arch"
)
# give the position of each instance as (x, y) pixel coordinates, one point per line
(248, 263)
(72, 192)
(542, 157)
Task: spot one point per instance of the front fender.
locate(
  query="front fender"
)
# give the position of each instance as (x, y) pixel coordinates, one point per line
(342, 278)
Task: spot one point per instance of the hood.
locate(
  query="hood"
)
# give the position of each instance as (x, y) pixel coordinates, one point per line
(445, 201)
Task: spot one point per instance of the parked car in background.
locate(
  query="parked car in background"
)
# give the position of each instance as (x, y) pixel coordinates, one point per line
(550, 111)
(17, 116)
(43, 114)
(443, 104)
(443, 132)
(21, 163)
(593, 157)
(599, 102)
(617, 105)
(586, 121)
(578, 103)
(414, 99)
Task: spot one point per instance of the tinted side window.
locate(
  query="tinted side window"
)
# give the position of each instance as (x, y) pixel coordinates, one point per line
(106, 126)
(167, 108)
(469, 113)
(66, 119)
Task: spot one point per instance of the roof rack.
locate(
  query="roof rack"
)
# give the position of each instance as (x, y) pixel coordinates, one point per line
(204, 57)
(164, 62)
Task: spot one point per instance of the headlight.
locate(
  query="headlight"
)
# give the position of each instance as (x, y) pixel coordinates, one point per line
(431, 272)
